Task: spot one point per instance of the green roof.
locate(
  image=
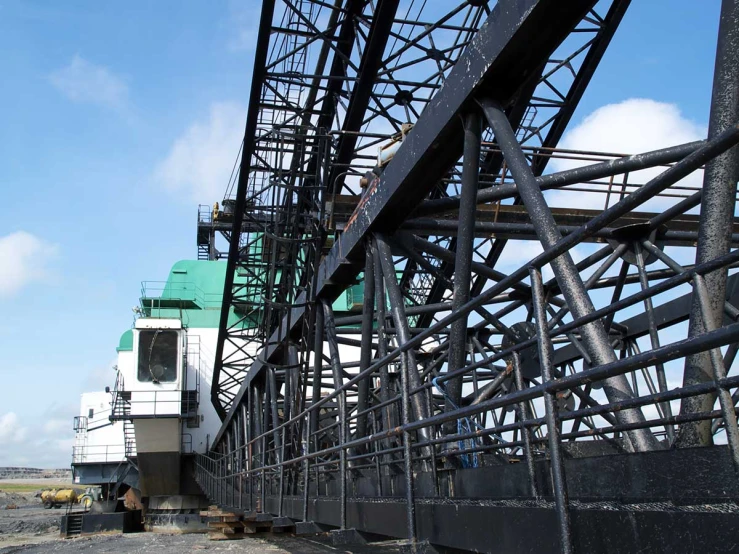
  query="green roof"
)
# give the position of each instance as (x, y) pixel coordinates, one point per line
(126, 342)
(193, 292)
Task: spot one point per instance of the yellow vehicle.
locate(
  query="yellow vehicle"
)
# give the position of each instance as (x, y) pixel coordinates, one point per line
(91, 495)
(56, 498)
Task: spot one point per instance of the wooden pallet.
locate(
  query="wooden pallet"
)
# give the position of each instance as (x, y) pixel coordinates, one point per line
(224, 525)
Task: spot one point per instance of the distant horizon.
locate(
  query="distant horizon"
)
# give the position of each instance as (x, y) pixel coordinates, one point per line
(9, 469)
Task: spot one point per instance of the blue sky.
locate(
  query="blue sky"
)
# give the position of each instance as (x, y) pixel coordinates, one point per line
(117, 119)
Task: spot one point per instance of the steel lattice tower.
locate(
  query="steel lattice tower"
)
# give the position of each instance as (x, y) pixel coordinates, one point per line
(583, 401)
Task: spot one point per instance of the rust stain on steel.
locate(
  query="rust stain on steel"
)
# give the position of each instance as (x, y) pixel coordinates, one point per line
(371, 189)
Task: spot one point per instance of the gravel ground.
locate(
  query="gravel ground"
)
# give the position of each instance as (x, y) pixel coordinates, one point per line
(26, 522)
(28, 525)
(15, 499)
(176, 544)
(30, 529)
(33, 530)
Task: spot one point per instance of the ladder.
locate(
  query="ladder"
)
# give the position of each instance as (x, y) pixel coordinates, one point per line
(129, 437)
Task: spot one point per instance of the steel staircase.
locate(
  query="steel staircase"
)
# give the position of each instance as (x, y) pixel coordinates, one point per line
(74, 525)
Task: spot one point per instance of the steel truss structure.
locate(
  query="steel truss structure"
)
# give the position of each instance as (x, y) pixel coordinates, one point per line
(542, 360)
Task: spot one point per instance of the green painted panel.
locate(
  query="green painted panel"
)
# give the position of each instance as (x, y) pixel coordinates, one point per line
(193, 293)
(126, 342)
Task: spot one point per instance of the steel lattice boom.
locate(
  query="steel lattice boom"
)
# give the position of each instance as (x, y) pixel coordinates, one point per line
(447, 341)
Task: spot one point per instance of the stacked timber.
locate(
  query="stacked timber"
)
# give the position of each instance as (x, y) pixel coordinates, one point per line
(229, 525)
(223, 525)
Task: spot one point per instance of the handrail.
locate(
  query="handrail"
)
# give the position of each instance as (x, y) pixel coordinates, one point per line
(205, 213)
(169, 291)
(108, 453)
(184, 402)
(186, 443)
(79, 423)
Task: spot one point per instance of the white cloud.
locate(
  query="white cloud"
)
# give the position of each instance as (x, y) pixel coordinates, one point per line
(46, 442)
(42, 439)
(201, 160)
(86, 82)
(23, 260)
(48, 450)
(633, 126)
(11, 431)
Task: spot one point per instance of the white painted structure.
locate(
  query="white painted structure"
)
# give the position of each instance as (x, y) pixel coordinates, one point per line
(159, 408)
(97, 439)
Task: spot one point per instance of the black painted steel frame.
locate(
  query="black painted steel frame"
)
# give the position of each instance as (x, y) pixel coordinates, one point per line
(464, 367)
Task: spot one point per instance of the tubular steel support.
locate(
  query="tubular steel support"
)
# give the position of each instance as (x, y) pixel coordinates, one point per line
(654, 338)
(717, 369)
(561, 179)
(465, 244)
(368, 316)
(570, 283)
(317, 363)
(337, 371)
(380, 303)
(717, 214)
(524, 415)
(397, 311)
(552, 417)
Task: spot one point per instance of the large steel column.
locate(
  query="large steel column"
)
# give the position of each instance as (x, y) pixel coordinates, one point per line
(368, 315)
(463, 261)
(338, 374)
(595, 338)
(380, 303)
(273, 394)
(317, 363)
(717, 215)
(546, 354)
(292, 381)
(397, 310)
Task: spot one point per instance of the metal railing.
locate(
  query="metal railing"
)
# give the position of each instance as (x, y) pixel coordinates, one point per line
(186, 443)
(254, 468)
(126, 404)
(79, 423)
(158, 296)
(205, 213)
(98, 453)
(157, 403)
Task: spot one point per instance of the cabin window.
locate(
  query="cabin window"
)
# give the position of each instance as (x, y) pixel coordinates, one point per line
(158, 356)
(90, 413)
